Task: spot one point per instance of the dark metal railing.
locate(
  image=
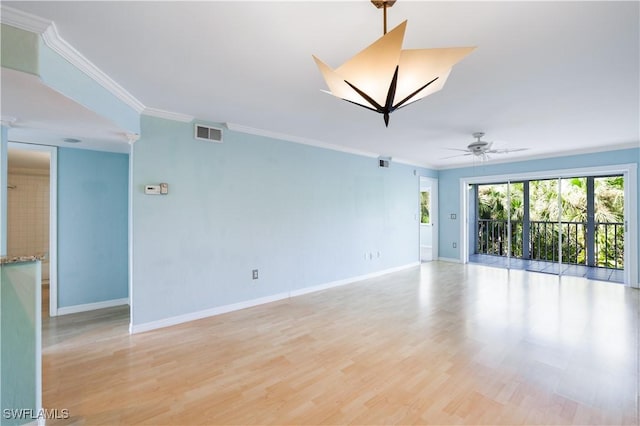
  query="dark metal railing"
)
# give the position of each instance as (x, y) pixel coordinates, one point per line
(544, 241)
(492, 237)
(611, 251)
(608, 250)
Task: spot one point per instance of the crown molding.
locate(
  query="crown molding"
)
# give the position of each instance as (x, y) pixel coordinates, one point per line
(413, 163)
(304, 141)
(132, 137)
(312, 142)
(8, 121)
(23, 20)
(53, 40)
(168, 115)
(49, 33)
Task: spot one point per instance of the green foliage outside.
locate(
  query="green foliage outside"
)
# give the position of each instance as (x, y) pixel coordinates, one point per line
(425, 203)
(543, 216)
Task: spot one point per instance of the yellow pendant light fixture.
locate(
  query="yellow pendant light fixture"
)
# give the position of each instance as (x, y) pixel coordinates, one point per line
(383, 77)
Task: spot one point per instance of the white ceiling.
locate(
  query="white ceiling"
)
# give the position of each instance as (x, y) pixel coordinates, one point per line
(553, 77)
(46, 117)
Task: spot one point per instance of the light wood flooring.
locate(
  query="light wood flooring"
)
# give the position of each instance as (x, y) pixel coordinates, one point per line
(442, 343)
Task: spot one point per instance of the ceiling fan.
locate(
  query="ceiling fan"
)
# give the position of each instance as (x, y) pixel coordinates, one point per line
(481, 149)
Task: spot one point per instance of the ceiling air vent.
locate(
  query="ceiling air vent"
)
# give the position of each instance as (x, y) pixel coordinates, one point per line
(208, 133)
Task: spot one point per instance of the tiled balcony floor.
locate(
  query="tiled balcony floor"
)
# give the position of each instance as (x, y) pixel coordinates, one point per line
(589, 272)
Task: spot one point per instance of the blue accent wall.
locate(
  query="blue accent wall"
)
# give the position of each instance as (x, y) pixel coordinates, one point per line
(449, 185)
(92, 226)
(303, 216)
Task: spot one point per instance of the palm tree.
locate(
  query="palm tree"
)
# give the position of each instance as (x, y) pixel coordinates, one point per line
(609, 209)
(574, 211)
(491, 202)
(424, 206)
(544, 213)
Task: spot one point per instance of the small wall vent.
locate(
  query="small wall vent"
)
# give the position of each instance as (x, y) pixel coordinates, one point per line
(384, 161)
(208, 133)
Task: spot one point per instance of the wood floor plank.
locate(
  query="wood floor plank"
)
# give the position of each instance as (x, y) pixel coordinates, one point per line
(442, 343)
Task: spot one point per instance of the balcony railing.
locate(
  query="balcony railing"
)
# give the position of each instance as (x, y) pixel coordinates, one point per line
(542, 244)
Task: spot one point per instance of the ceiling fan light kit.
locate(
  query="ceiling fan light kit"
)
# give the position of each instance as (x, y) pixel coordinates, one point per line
(383, 77)
(481, 149)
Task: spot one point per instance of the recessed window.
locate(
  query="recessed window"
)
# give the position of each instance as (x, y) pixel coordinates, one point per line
(425, 207)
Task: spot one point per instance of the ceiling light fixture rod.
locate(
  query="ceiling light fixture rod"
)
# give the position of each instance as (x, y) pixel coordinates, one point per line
(383, 4)
(384, 17)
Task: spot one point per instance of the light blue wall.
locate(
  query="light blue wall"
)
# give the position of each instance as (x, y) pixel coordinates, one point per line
(57, 73)
(449, 185)
(430, 173)
(303, 216)
(21, 340)
(92, 226)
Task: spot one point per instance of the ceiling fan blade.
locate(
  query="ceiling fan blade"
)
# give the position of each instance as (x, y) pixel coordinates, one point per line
(506, 150)
(453, 156)
(456, 149)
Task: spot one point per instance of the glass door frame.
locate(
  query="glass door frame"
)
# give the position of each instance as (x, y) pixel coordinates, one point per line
(629, 172)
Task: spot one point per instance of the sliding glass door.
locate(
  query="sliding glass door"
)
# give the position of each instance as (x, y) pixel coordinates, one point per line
(544, 223)
(568, 225)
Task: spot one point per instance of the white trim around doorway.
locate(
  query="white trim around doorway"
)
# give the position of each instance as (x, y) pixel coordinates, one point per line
(53, 218)
(434, 218)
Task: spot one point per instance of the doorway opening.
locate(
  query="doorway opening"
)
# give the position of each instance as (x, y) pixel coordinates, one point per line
(428, 219)
(31, 212)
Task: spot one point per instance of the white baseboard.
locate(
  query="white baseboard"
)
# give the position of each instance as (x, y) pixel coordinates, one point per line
(92, 306)
(338, 283)
(179, 319)
(449, 259)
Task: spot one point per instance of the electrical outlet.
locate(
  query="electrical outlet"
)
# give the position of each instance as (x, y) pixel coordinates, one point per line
(255, 274)
(455, 245)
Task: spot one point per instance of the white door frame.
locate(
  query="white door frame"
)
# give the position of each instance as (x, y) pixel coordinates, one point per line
(433, 184)
(629, 171)
(53, 218)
